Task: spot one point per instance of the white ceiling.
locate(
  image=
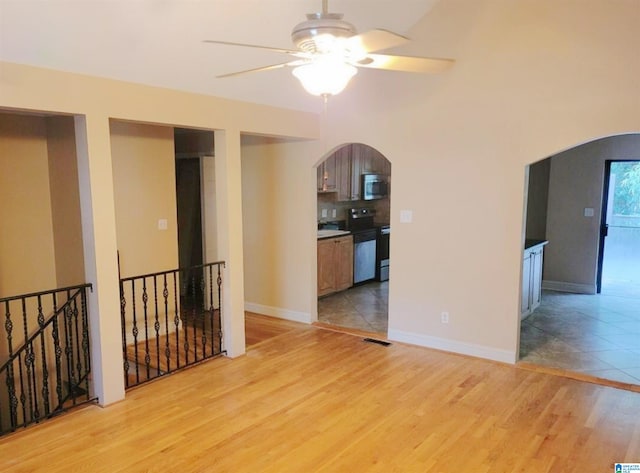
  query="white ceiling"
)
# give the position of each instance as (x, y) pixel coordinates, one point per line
(159, 42)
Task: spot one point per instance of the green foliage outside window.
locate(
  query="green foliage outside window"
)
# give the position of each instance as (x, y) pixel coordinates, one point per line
(626, 197)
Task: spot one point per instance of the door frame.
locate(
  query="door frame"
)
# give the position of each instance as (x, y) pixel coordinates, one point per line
(604, 228)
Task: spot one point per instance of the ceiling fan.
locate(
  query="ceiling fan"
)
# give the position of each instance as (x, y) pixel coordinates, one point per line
(329, 51)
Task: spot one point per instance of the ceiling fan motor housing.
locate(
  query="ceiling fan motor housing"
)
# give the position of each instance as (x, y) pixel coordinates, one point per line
(304, 34)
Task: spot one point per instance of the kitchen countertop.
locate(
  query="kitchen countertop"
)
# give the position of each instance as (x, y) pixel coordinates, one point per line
(332, 233)
(531, 243)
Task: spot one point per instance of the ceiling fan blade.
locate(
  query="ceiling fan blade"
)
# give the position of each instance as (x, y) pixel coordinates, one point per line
(268, 48)
(423, 65)
(376, 40)
(299, 62)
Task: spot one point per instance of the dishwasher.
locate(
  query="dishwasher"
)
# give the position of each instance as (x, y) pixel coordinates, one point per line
(364, 255)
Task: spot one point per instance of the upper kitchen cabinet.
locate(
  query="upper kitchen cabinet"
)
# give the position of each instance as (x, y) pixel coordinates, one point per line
(327, 176)
(365, 160)
(341, 172)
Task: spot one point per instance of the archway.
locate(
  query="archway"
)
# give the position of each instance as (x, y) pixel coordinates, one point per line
(576, 329)
(353, 213)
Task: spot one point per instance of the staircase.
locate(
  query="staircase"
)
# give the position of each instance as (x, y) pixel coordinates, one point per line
(44, 355)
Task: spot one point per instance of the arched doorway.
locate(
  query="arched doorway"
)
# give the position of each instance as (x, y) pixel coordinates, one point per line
(353, 213)
(577, 328)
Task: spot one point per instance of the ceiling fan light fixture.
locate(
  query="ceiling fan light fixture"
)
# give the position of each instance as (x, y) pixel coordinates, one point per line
(325, 76)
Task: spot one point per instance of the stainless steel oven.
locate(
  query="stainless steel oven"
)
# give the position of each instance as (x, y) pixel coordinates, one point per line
(382, 253)
(365, 237)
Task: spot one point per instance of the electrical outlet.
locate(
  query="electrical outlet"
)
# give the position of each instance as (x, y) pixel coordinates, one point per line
(444, 317)
(333, 213)
(324, 213)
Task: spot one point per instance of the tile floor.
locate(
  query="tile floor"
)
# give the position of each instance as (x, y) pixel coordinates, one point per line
(362, 308)
(598, 335)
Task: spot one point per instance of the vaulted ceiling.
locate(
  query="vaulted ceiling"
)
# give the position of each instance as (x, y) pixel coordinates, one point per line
(159, 42)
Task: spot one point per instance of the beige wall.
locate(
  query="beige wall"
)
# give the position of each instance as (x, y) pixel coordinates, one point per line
(576, 182)
(93, 102)
(277, 270)
(65, 201)
(27, 255)
(532, 77)
(145, 191)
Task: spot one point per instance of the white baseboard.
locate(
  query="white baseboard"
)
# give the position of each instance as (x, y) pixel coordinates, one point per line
(462, 348)
(562, 286)
(278, 312)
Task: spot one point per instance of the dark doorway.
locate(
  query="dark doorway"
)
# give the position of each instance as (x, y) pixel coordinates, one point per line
(189, 205)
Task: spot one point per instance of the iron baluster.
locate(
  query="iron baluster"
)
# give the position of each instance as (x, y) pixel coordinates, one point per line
(176, 317)
(23, 396)
(156, 324)
(219, 317)
(135, 331)
(202, 292)
(123, 329)
(165, 295)
(211, 313)
(185, 324)
(76, 381)
(43, 353)
(85, 342)
(58, 352)
(68, 347)
(145, 299)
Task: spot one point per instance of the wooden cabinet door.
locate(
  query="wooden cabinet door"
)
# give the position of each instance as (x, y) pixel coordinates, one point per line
(327, 173)
(344, 262)
(335, 264)
(357, 169)
(326, 277)
(343, 172)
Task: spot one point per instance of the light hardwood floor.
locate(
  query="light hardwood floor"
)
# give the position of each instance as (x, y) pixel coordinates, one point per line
(313, 400)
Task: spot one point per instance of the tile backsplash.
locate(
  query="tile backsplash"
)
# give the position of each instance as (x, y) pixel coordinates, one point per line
(326, 201)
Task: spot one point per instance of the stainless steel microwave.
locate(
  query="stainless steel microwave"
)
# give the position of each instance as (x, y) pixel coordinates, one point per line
(374, 186)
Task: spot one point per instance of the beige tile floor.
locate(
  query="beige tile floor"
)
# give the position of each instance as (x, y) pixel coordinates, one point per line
(362, 307)
(598, 335)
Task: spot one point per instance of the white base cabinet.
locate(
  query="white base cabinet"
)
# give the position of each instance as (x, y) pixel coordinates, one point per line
(532, 276)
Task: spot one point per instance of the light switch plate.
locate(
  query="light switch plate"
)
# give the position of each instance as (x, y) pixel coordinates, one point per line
(324, 213)
(589, 212)
(162, 224)
(406, 216)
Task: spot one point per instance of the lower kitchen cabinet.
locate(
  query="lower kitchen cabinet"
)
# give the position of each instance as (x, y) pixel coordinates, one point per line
(335, 264)
(532, 276)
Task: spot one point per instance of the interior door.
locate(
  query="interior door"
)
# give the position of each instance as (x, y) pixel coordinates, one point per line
(619, 256)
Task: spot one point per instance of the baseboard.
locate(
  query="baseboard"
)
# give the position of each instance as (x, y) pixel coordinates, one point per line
(562, 286)
(278, 312)
(462, 348)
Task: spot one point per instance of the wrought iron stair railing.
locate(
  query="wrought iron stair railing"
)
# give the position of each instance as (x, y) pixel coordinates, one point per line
(45, 366)
(170, 320)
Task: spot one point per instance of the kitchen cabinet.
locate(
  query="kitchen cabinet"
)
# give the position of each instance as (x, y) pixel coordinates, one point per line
(344, 168)
(328, 175)
(532, 276)
(335, 264)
